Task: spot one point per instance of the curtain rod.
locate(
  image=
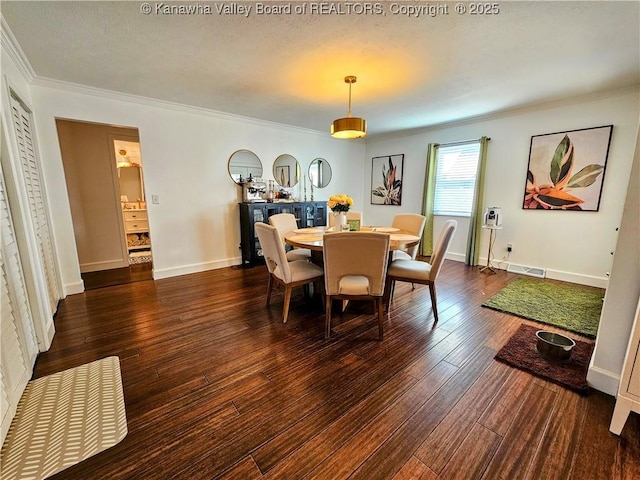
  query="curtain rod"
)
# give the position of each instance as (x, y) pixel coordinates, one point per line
(453, 144)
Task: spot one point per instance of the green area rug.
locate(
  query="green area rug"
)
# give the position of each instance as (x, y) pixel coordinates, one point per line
(566, 305)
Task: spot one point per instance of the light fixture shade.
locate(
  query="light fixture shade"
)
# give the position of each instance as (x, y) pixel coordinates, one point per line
(349, 127)
(123, 161)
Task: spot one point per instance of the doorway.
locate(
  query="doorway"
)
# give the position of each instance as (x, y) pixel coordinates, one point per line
(103, 169)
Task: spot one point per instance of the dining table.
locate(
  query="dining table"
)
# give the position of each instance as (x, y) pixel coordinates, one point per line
(312, 238)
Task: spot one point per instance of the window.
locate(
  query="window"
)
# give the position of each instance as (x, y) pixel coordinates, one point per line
(456, 168)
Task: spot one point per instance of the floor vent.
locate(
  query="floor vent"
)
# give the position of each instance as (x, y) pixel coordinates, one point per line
(523, 269)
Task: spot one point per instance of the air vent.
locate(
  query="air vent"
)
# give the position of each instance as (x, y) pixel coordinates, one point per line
(524, 270)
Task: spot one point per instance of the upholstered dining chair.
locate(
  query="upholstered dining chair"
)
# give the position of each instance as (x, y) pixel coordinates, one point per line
(355, 266)
(416, 271)
(289, 274)
(351, 215)
(412, 223)
(285, 223)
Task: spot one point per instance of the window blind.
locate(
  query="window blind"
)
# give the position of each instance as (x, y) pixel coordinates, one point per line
(456, 169)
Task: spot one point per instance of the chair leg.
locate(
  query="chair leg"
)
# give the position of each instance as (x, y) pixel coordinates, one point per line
(327, 318)
(269, 289)
(434, 303)
(388, 292)
(287, 300)
(380, 315)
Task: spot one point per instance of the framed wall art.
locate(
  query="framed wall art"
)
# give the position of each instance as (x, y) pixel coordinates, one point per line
(386, 180)
(566, 169)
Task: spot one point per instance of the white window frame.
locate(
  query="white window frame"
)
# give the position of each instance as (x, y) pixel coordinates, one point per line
(456, 173)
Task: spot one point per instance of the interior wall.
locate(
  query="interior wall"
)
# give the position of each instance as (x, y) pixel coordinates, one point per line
(195, 226)
(94, 198)
(572, 246)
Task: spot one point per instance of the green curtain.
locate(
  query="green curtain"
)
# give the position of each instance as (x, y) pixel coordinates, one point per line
(428, 196)
(475, 221)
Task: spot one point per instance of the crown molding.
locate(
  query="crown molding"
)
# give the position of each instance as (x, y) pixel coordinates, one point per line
(510, 112)
(13, 49)
(164, 104)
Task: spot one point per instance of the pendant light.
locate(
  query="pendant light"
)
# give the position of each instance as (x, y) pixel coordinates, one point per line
(349, 127)
(123, 161)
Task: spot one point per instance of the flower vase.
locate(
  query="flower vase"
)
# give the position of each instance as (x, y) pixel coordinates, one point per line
(341, 222)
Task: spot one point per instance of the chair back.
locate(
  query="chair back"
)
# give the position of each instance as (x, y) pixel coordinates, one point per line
(273, 251)
(284, 223)
(411, 222)
(440, 250)
(351, 215)
(357, 254)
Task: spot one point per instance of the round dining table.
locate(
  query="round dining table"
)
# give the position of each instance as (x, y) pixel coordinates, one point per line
(312, 238)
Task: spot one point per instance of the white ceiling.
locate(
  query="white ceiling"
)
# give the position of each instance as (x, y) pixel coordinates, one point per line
(289, 68)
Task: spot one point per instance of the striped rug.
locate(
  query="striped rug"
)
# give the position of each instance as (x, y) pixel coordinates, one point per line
(63, 419)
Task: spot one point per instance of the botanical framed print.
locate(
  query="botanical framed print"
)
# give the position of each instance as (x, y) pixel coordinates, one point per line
(386, 180)
(566, 169)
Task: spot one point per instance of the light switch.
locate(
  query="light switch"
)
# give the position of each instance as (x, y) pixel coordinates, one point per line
(155, 199)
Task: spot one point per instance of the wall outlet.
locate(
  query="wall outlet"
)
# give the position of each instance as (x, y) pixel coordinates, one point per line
(509, 247)
(155, 199)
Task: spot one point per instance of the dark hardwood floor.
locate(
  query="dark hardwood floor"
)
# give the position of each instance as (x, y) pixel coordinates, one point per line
(118, 276)
(217, 387)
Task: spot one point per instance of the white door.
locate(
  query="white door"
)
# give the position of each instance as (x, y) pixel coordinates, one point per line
(18, 347)
(33, 182)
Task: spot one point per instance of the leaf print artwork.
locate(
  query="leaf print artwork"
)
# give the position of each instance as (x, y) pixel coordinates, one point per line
(551, 182)
(388, 170)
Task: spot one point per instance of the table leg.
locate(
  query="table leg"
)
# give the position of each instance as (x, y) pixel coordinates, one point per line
(488, 268)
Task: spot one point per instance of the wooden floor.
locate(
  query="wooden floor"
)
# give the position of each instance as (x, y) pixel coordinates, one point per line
(217, 387)
(118, 276)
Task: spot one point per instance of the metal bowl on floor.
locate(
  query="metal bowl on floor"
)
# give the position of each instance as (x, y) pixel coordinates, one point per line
(554, 346)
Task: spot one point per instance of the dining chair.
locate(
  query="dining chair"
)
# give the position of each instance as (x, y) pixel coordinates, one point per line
(355, 266)
(281, 270)
(285, 223)
(416, 271)
(412, 223)
(351, 215)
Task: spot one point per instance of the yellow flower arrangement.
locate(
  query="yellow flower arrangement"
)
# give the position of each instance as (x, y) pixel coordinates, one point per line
(340, 203)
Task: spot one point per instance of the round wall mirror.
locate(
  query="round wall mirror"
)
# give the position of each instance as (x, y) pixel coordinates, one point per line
(320, 173)
(286, 170)
(242, 164)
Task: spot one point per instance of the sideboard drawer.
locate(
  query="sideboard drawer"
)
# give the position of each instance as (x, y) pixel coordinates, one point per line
(131, 226)
(135, 216)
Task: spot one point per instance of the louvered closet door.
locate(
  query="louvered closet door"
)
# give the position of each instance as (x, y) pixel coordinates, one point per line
(33, 182)
(18, 347)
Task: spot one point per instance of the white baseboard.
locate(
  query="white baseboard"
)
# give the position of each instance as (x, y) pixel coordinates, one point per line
(603, 380)
(73, 288)
(51, 331)
(194, 268)
(456, 257)
(588, 280)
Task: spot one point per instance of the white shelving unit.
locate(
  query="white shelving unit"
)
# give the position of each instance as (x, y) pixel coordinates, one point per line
(628, 398)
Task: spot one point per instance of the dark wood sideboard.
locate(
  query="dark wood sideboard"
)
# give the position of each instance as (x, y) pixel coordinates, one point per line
(308, 214)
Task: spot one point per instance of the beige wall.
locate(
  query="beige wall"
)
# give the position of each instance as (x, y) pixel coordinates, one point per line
(94, 195)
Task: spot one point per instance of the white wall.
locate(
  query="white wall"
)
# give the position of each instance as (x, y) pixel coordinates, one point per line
(196, 225)
(571, 246)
